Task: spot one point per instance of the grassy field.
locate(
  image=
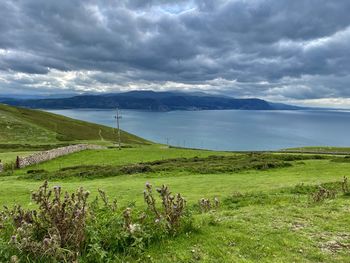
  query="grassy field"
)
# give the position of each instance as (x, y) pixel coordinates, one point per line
(116, 157)
(266, 222)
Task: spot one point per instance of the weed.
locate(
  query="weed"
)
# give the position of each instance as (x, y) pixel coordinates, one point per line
(345, 186)
(104, 197)
(322, 194)
(56, 230)
(65, 227)
(173, 207)
(206, 205)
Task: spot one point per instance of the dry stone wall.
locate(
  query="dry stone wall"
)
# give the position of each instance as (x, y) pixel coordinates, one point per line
(54, 153)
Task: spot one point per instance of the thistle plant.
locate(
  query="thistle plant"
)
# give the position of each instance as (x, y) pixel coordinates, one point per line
(172, 209)
(344, 185)
(322, 194)
(206, 205)
(65, 227)
(104, 197)
(56, 230)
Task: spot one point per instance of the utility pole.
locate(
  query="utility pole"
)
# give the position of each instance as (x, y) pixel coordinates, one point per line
(118, 117)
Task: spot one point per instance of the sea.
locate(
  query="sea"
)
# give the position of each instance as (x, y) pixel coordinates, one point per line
(228, 130)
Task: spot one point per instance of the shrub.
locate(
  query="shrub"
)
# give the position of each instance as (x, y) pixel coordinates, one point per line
(136, 168)
(56, 230)
(65, 227)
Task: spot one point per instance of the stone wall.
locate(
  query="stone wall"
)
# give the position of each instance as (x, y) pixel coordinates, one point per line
(54, 153)
(1, 167)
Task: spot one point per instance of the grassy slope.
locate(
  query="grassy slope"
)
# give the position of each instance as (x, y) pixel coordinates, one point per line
(288, 229)
(25, 126)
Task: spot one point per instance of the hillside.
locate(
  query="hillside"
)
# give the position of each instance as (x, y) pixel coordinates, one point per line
(26, 126)
(150, 100)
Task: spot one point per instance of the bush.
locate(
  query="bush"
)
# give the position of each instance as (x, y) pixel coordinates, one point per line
(56, 230)
(66, 227)
(136, 168)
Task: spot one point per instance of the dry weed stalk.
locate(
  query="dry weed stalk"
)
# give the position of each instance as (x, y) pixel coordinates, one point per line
(344, 185)
(173, 207)
(206, 205)
(57, 229)
(322, 194)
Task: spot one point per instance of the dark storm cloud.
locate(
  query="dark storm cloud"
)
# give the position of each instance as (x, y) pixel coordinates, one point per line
(264, 48)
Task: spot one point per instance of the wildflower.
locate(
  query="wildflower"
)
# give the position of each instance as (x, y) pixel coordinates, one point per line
(127, 211)
(134, 228)
(14, 259)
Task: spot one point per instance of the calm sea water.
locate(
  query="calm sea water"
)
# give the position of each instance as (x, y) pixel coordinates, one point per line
(229, 129)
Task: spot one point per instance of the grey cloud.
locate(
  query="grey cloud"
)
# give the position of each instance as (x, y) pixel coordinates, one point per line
(297, 48)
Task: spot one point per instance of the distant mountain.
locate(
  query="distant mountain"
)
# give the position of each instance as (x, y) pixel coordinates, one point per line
(36, 97)
(151, 100)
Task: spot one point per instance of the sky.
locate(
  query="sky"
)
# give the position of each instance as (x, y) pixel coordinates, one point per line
(290, 51)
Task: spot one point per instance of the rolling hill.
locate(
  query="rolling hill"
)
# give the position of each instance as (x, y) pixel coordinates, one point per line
(150, 100)
(27, 126)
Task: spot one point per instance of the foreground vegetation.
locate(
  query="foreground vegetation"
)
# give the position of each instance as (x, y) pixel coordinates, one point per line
(269, 210)
(67, 227)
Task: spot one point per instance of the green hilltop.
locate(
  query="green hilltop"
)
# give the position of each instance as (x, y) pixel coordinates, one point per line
(21, 126)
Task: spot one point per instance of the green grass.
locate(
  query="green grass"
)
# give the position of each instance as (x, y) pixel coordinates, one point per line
(213, 164)
(8, 157)
(272, 222)
(116, 157)
(320, 149)
(26, 126)
(193, 186)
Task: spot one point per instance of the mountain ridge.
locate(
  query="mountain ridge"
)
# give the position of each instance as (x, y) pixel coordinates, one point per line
(151, 100)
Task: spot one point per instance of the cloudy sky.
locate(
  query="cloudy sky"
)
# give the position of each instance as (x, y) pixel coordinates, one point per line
(294, 51)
